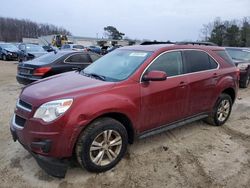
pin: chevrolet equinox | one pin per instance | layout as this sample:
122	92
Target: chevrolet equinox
130	93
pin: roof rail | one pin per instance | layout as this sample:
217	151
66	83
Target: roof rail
155	42
197	43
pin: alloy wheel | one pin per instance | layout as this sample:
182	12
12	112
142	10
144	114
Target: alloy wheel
106	147
223	110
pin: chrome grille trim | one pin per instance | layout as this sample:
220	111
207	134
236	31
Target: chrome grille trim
22	107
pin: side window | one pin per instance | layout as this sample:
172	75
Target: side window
94	57
170	62
224	55
213	63
73	58
196	61
84	58
78	58
66	46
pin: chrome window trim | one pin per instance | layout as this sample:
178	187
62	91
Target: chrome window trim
22	107
180	50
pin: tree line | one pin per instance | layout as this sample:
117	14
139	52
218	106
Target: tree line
228	33
13	30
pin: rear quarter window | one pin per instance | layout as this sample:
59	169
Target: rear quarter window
196	61
224	55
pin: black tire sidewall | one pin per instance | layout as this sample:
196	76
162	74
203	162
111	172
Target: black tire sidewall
4	57
87	139
221	98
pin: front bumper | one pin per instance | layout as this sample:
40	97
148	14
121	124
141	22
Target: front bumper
12	57
52	166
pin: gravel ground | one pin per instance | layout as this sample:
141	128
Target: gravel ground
195	155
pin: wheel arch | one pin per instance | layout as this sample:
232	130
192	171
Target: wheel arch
231	92
125	121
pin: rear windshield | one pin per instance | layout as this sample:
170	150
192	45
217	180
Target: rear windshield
224	55
49	58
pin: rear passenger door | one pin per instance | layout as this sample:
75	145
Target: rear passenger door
202	71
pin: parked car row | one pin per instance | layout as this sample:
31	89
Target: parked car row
27	51
24	52
130	93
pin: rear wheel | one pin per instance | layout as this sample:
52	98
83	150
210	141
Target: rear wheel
102	145
221	111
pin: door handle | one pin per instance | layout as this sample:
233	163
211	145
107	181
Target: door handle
183	84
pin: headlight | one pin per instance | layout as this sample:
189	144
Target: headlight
242	66
52	110
9	53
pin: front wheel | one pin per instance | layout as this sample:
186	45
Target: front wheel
101	145
4	57
221	110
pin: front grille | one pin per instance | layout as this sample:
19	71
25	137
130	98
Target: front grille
24	105
19	121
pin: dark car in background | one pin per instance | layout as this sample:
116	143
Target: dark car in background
95	49
241	58
53	63
30	51
72	47
9	51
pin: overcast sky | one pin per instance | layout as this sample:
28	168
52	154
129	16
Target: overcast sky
173	20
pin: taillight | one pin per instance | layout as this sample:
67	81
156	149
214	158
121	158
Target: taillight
41	71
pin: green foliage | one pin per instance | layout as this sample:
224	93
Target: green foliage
228	33
113	33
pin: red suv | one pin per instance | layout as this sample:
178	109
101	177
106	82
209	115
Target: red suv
132	92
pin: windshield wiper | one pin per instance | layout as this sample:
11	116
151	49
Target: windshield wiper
94	75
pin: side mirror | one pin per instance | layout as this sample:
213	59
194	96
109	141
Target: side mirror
155	76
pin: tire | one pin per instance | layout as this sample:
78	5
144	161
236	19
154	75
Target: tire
93	138
4	57
221	110
245	83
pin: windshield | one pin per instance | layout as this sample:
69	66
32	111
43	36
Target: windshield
34	48
117	65
239	54
9	46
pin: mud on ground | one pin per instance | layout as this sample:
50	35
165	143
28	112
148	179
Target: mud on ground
195	155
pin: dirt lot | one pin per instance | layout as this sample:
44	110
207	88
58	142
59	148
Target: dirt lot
195	155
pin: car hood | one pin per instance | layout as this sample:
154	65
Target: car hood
66	85
240	61
11	50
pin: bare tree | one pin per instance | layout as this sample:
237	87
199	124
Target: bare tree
13	30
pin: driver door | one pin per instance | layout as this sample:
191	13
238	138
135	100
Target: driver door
163	102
